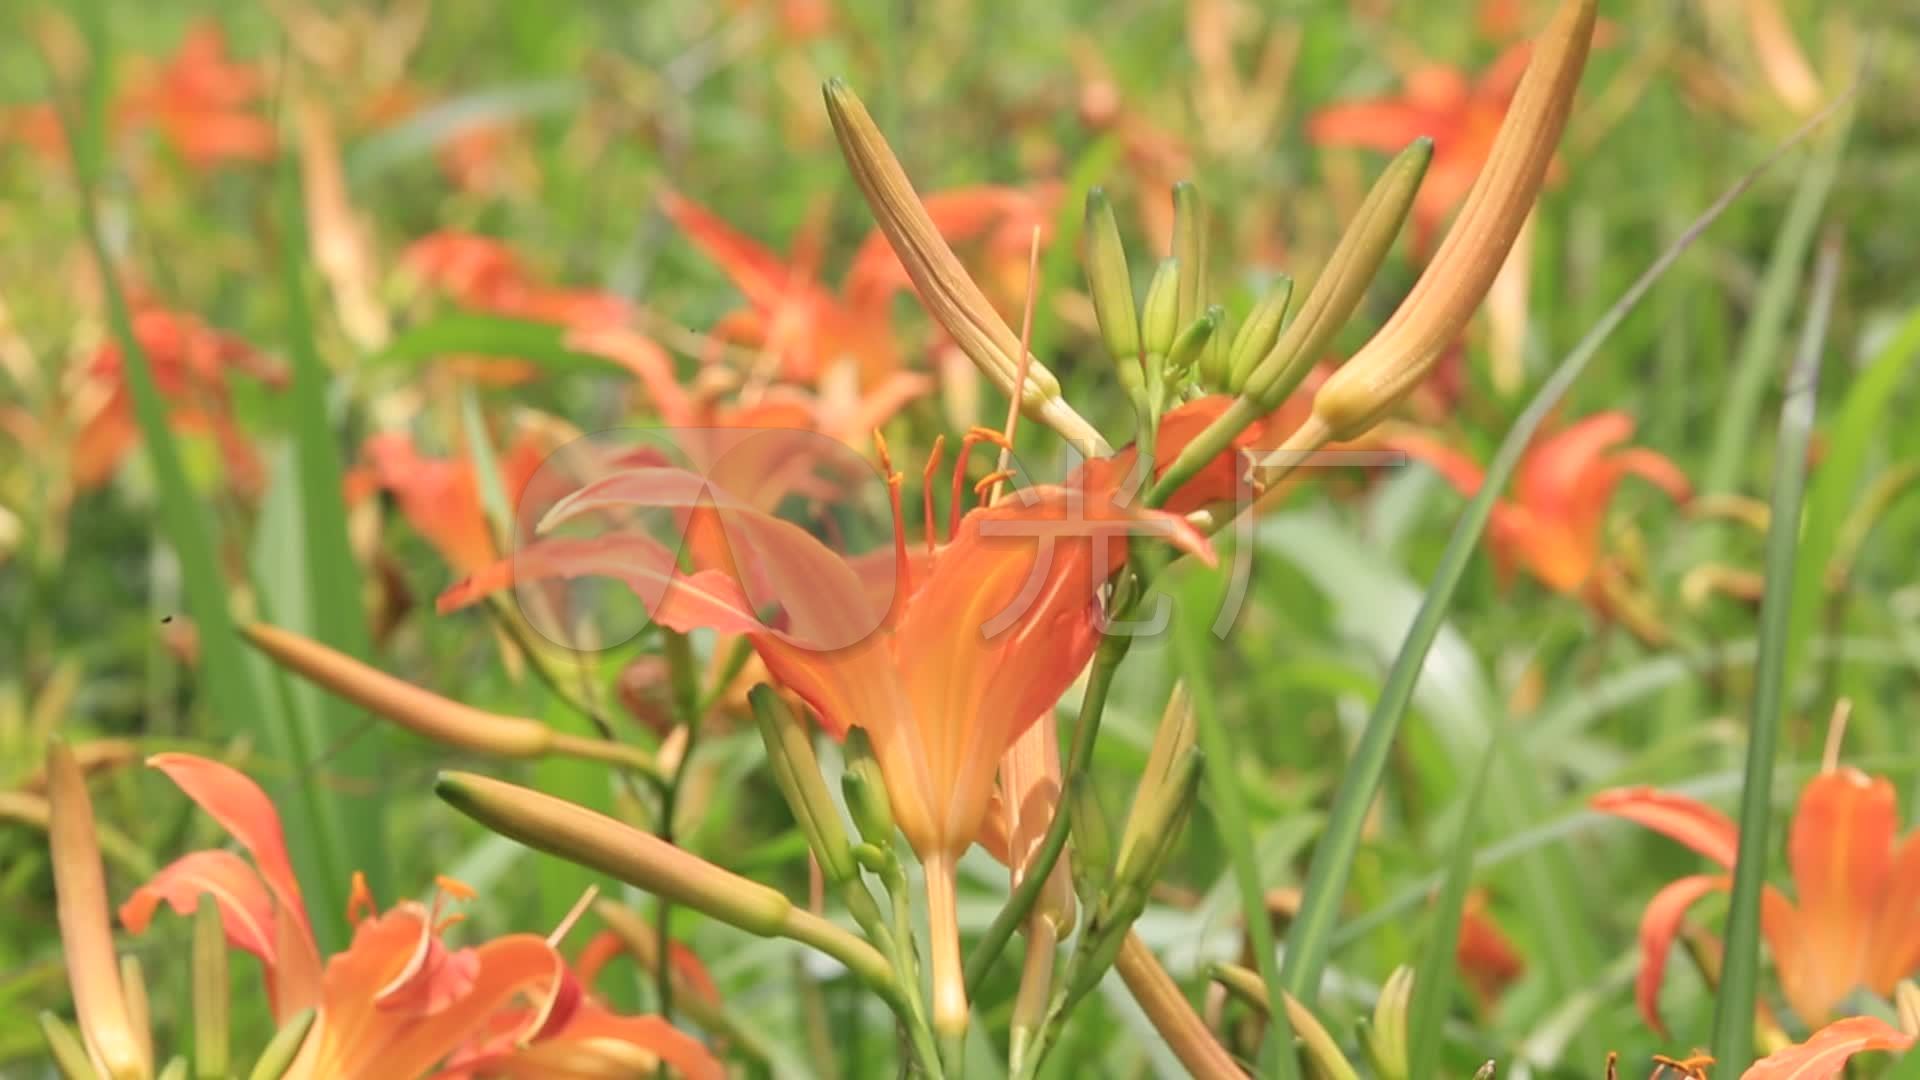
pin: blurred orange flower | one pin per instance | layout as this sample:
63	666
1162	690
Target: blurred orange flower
190	362
484	274
807	330
399	1000
1460	114
440	497
1856	887
1553	524
1485	955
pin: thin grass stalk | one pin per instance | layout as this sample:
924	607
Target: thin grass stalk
1236	827
1310	940
1433	987
334	598
1740	978
1753	367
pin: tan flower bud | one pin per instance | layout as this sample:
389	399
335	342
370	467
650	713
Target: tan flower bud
1437	309
951	296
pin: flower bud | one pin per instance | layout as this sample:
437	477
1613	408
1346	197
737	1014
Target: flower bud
1319	1051
1159	316
1434	313
1192	342
100	998
64	1047
1111	284
278	1057
1258	334
1385	1040
1344	280
1190	251
1091	855
1154	826
1171	741
211	992
594	840
426	713
797	772
866	792
1906	998
952	297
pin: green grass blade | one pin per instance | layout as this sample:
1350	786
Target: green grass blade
232	696
1740	979
334	612
1192	648
1311	939
501	336
1754	366
1850	437
1433	981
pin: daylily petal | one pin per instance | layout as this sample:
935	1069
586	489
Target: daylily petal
1386	126
246	910
598	1043
1839	848
238	804
1658	927
1550	475
760	275
1826	1052
1688	821
1894	952
1454	467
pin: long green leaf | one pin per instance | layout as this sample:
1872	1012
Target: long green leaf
232	696
334	611
473	334
1312	936
1433	985
1740	978
1850	437
1753	368
1222	778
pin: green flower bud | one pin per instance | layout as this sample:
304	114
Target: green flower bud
211	989
1192	342
65	1048
1385	1040
1258	334
797	772
1091	854
278	1056
1111	284
1190	250
866	793
1342	284
1159	316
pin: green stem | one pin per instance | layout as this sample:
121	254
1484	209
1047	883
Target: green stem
1236	832
1740	979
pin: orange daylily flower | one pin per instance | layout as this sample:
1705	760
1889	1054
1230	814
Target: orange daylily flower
1486	956
484	274
1825	1054
399	1002
1552	526
440	497
808	330
1460	115
190	362
198	101
944	665
1856	887
202	102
